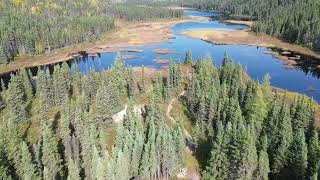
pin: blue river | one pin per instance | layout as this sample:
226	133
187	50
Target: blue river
255	59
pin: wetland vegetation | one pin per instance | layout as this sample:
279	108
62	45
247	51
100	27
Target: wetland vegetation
138	99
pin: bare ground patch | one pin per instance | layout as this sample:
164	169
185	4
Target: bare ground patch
164	51
247	23
161	61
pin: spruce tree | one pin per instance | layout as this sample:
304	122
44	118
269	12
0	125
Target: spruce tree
73	170
121	166
179	142
243	155
130	84
16	100
172	75
142	81
279	146
178	75
298	155
188	58
257	111
61	83
76	80
101	169
3	86
49	88
85	86
28	168
5	171
314	156
107	104
148	162
263	168
225	59
301	114
250	153
266	88
169	158
50	156
218	166
41	81
27	84
65	122
117	75
136	153
109	164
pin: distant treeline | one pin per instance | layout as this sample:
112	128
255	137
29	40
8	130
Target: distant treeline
154	2
138	13
294	21
35	28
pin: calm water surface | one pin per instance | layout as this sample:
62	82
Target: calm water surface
255	59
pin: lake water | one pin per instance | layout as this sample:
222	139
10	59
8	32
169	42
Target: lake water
254	59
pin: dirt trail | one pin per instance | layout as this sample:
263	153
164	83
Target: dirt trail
190	143
184	172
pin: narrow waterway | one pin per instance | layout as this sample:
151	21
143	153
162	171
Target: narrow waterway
255	59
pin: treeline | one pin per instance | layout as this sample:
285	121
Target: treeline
157	3
64	127
246	130
29	28
139	13
294	24
287	19
257	8
35	28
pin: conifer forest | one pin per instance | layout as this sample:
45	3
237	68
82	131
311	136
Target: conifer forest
192	118
294	21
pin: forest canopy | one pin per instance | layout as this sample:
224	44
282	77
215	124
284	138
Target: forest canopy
34	28
63	125
291	20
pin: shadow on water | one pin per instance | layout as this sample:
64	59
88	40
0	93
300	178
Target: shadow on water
307	64
298	78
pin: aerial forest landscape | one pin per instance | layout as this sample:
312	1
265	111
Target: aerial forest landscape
159	89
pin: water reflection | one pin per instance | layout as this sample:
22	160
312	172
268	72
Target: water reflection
302	78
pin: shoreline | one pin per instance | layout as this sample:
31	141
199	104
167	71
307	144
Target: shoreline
246	37
125	38
236	22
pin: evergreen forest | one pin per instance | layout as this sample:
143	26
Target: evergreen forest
294	21
61	124
168	120
37	27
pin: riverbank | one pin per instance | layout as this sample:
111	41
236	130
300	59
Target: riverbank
247	23
246	37
124	38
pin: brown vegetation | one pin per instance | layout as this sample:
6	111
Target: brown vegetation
126	36
164	51
161	61
247	23
245	37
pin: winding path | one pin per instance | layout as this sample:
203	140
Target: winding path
118	117
184	173
190	143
